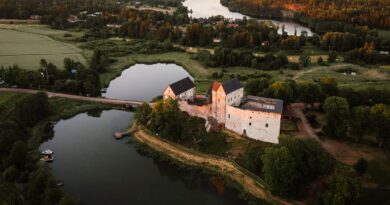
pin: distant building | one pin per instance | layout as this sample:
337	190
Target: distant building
217	40
254	117
113	25
73	19
181	90
232	25
35	17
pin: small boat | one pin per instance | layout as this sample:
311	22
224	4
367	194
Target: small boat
47	152
47	158
60	183
103	90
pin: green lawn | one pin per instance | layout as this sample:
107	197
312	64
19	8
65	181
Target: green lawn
25	46
5	96
364	77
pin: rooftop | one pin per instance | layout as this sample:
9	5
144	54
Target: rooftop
182	85
262	104
231	85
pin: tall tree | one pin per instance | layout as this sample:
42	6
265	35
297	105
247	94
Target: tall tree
342	191
337	115
166	119
380	122
99	61
142	114
309	92
279	168
358	123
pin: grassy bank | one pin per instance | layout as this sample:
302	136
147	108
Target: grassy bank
249	182
166	159
61	108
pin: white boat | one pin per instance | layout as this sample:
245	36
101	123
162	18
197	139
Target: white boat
103	90
47	152
47	158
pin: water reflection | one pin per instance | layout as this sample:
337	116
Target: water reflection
99	170
144	82
208	8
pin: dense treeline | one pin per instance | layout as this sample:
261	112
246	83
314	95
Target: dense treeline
36	185
23	9
373	13
354	113
172	3
226	57
74	78
359	121
294	163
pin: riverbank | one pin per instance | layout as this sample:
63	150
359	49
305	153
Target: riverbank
61	109
249	182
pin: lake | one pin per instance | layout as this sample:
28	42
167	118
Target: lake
99	170
208	8
144	82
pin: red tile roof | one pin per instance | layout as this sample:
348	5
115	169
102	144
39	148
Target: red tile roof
216	85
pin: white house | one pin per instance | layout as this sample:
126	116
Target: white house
181	90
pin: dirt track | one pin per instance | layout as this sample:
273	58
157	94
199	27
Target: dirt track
342	151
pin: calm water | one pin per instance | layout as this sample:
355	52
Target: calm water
144	82
207	8
99	170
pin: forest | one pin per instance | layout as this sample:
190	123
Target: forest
373	13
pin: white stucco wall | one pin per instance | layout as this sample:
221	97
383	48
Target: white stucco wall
264	126
187	95
168	93
234	98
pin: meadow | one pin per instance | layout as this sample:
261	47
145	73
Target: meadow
26	46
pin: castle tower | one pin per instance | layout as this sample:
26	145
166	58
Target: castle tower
218	102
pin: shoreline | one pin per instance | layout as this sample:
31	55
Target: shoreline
246	180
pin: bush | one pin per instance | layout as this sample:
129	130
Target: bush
67	35
361	166
142	114
279	169
342	191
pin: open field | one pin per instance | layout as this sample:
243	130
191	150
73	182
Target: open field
25	46
384	33
364	76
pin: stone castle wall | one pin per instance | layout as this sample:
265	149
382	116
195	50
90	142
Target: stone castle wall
195	110
262	126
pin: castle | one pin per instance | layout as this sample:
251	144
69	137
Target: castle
254	117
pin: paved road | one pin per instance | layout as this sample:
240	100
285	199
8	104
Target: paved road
77	97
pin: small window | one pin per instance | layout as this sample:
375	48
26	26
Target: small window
266	125
228	115
250	124
250	117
